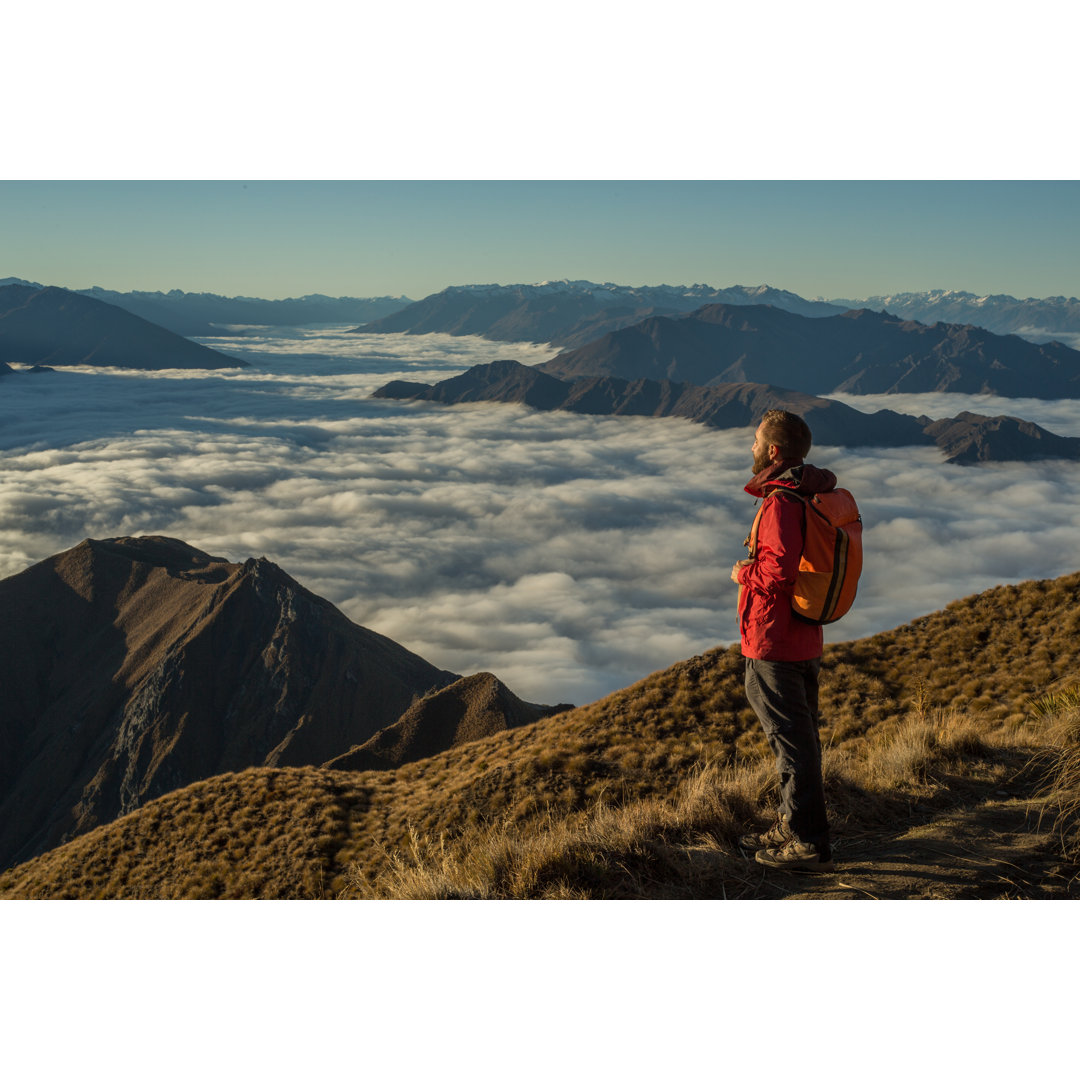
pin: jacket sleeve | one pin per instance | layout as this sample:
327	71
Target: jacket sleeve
779	549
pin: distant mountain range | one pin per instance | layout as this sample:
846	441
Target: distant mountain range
57	328
571	313
208	315
568	313
966	439
138	665
1034	319
860	352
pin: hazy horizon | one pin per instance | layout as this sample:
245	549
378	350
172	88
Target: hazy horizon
277	239
718	285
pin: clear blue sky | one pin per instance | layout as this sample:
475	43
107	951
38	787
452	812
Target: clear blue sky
367	238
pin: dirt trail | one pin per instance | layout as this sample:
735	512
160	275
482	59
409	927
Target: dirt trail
993	850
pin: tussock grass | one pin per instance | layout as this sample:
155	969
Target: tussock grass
687	845
648	848
641	794
909	754
987	654
1059	764
1056	702
263	833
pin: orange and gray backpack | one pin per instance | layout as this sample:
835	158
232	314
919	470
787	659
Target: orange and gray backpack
832	554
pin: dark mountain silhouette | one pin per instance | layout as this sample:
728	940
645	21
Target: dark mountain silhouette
469	709
17	294
966	439
969	438
728	406
60	328
130	667
568	313
862	352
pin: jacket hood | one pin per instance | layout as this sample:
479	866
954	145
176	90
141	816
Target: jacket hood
791	476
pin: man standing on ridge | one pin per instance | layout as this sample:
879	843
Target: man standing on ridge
783	652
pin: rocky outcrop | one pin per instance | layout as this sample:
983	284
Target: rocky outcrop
469	709
134	666
969	438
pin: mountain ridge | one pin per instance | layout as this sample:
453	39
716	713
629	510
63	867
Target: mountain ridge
965	439
209	314
1034	318
295	832
468	709
858	351
567	313
57	328
141	664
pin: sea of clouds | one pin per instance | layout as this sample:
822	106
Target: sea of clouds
570	555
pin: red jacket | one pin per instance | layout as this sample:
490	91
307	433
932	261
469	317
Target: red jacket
767	626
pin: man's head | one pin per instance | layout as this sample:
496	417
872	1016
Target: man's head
781	436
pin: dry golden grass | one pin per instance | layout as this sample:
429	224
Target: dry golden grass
640	794
1058	764
988	654
265	833
686	846
657	848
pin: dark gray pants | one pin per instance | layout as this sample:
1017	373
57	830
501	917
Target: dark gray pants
784	694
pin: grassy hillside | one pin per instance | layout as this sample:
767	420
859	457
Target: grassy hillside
930	730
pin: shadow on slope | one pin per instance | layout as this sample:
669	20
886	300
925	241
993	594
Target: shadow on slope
139	665
962	822
942	808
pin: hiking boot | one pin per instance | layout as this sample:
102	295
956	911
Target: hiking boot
776	837
795	855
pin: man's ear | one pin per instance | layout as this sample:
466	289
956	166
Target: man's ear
774	452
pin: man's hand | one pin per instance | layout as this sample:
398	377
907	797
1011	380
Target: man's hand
737	567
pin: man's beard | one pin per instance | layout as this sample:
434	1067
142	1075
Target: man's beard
761	462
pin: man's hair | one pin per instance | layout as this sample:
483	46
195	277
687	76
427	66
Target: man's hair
788	432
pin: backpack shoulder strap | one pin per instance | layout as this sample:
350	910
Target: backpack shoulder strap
751	541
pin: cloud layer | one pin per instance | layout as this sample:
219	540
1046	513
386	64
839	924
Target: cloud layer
571	555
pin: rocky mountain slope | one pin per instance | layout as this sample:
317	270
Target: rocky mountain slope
56	328
861	352
138	665
469	709
569	313
965	439
961	674
969	438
